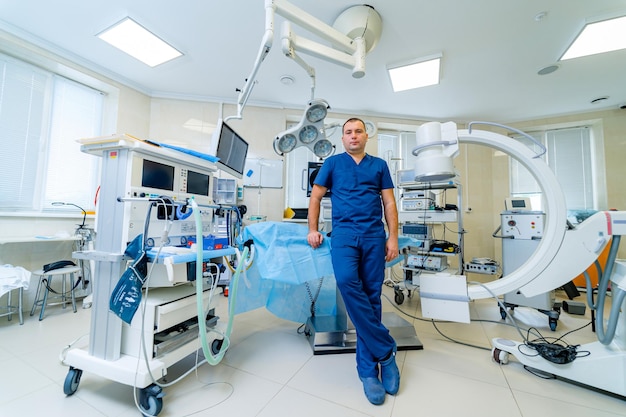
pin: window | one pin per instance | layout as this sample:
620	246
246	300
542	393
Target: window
573	156
41	116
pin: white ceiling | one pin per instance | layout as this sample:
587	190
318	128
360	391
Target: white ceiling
492	50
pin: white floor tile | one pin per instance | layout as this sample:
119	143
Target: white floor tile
270	370
290	402
429	392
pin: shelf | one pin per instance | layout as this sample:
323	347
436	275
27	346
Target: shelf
169	258
34	239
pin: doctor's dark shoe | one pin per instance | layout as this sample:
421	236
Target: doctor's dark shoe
390	374
374	390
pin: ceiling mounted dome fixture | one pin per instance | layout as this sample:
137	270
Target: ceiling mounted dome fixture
361	21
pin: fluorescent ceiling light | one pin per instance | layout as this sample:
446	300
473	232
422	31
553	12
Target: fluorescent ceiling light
132	38
416	74
595	38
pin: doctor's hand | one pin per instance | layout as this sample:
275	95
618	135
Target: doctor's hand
391	250
315	239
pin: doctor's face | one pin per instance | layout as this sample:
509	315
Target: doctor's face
354	137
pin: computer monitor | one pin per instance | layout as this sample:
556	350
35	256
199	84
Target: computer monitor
313	169
230	148
517	204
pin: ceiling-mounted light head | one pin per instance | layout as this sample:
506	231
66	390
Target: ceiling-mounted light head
317	112
437	145
285	144
309	132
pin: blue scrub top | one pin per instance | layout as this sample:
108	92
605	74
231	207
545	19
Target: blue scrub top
356	193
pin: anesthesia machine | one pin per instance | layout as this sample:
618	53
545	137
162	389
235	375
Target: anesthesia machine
158	261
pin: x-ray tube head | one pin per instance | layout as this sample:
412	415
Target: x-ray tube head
437	145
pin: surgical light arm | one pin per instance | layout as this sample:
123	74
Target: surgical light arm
350	51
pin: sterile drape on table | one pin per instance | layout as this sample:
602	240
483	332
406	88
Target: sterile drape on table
288	277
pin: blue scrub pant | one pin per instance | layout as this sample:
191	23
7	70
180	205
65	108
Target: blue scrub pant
359	267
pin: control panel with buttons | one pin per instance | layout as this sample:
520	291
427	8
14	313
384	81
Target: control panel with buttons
522	225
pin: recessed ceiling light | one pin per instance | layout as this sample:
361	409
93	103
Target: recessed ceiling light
138	42
415	74
548	70
595	38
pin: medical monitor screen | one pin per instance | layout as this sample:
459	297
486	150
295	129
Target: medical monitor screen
231	150
157	175
313	169
197	183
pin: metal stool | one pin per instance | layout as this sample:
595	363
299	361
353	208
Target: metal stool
45	281
10	308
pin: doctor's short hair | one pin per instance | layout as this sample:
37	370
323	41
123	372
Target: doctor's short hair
352	119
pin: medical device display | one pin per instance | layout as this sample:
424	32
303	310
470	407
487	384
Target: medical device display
152	176
521	232
313	169
160	197
230	148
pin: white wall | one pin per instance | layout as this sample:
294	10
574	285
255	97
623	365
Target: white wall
190	123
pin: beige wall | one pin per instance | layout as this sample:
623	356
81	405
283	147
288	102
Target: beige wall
484	174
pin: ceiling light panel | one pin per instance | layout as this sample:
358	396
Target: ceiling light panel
595	38
416	74
138	42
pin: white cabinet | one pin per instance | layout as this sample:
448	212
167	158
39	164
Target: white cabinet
224	190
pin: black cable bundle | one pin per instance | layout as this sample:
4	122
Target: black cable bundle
554	351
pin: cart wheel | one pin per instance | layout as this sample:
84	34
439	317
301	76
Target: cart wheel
552	323
72	380
499	356
399	298
151	400
216	346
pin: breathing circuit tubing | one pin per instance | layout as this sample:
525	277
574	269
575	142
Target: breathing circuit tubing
208	354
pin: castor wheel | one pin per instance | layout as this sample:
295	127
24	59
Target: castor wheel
72	380
499	356
399	297
151	400
552	322
216	346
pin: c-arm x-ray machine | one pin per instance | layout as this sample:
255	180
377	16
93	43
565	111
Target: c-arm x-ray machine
564	252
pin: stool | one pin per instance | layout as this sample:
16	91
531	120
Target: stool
45	284
13	278
11	309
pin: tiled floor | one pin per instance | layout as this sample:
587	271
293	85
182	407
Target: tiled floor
270	371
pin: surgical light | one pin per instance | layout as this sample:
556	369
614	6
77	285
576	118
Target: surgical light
310	132
437	145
